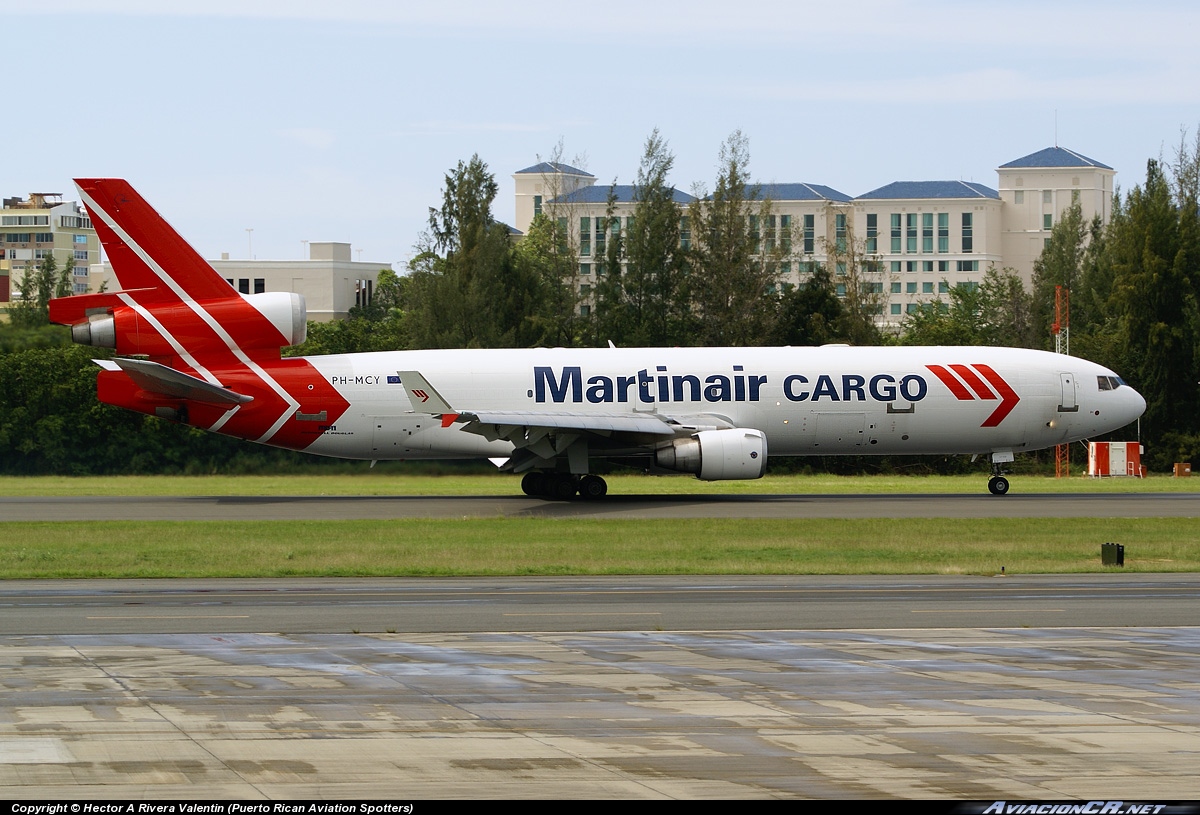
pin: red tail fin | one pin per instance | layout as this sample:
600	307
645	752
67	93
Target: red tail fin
145	252
172	306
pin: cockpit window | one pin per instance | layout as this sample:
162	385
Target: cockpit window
1109	383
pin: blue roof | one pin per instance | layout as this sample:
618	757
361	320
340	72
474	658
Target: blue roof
799	192
624	192
547	167
930	189
1054	157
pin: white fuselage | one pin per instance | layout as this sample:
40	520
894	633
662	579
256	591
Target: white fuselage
832	400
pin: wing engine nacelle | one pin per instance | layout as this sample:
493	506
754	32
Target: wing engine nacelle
717	455
129	331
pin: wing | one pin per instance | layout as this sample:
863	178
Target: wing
539	438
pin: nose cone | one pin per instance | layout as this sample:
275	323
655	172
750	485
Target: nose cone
1132	403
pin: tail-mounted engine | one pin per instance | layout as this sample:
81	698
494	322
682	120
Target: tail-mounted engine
136	326
717	455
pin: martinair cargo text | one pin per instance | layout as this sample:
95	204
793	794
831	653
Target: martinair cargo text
193	350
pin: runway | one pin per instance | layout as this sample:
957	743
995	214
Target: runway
1013	505
621	603
1010	687
602	688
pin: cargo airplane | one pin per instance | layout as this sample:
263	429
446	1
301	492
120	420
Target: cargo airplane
191	349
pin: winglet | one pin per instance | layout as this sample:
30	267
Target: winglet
425	398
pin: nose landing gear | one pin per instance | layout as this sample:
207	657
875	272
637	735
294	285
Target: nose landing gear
998	484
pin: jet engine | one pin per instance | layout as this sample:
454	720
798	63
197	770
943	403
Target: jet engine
717	455
135	331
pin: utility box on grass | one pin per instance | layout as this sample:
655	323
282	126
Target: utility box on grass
1115	458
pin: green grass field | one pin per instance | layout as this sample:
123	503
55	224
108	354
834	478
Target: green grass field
389	482
534	546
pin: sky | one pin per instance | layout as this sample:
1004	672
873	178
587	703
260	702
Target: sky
307	120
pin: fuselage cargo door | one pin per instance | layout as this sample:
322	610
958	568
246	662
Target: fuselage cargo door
1068	403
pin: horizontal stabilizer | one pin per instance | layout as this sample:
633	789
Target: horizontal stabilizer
159	379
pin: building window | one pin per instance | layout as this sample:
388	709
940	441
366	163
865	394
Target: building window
755	235
896	287
585	290
896	233
943	287
943	265
601	233
910	287
260	285
1074	196
839	231
585	310
785	234
910	233
968	232
585	269
42	254
968	265
537	205
910	265
841	289
79	238
911	308
895	267
895	308
927	266
1019	197
81	254
927	288
943	232
585	236
1047	222
841	269
685	234
244	285
599	269
1047	196
872	232
927	232
810	230
43	237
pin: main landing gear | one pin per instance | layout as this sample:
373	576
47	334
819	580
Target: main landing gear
563	486
998	485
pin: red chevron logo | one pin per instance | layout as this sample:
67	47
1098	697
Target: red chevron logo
965	382
420	394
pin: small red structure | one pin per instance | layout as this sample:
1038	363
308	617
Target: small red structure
1115	458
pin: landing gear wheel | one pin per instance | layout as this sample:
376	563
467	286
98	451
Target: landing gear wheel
592	487
534	484
998	485
562	487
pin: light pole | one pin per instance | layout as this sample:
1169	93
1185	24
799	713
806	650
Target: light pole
250	241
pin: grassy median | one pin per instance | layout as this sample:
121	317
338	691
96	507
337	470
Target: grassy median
524	546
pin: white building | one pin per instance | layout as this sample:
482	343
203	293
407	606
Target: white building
44	225
330	281
928	235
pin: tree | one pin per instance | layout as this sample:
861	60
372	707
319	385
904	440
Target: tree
1154	247
37	287
461	292
653	303
860	280
1060	264
996	313
808	314
734	265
